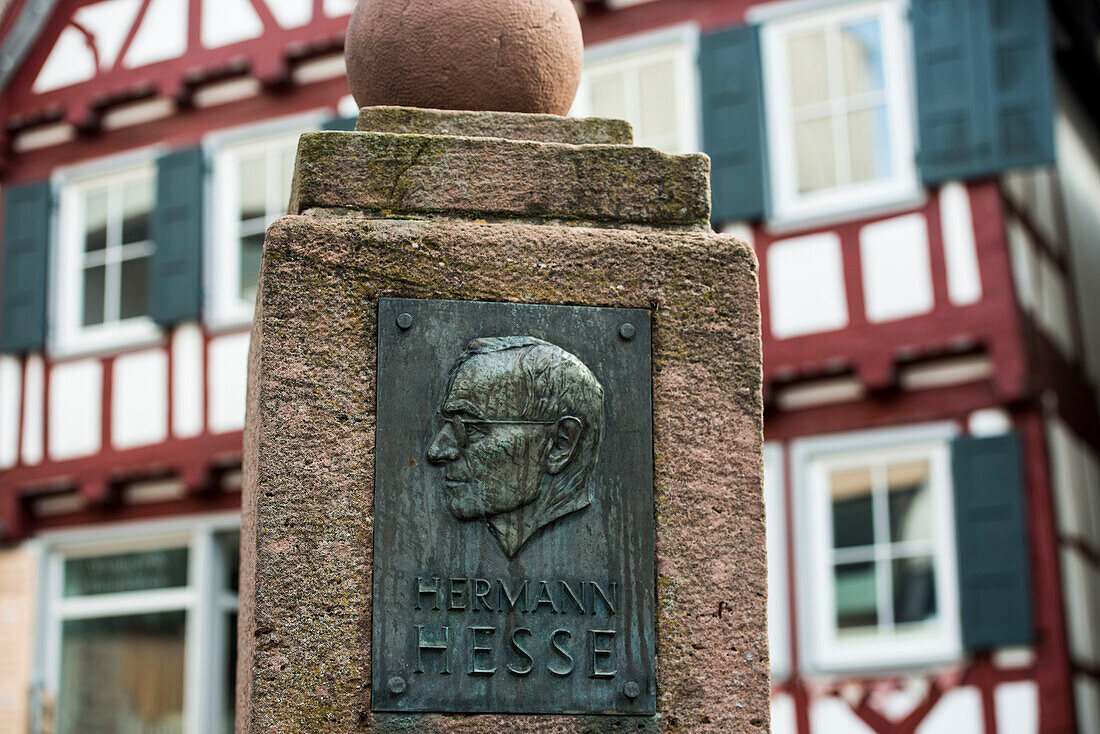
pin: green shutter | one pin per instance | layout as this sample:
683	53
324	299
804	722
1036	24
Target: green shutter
990	520
26	247
733	122
985	90
340	123
175	272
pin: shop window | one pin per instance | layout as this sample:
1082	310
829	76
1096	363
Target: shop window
104	247
880	556
142	635
838	106
650	81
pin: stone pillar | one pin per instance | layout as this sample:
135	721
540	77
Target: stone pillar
501	208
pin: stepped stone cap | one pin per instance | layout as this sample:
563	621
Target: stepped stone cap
491	177
511	125
498	55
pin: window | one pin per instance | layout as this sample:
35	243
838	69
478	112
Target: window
104	250
650	81
251	190
838	108
142	635
880	558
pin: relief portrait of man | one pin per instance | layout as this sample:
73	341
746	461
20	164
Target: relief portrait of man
521	425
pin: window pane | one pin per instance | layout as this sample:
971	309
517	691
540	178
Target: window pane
809	69
861	56
93	295
133	288
657	96
855	595
230	545
122	674
253	187
910	501
137	202
853	513
914	590
608	96
869	144
228	712
252	247
95	220
813	144
159	569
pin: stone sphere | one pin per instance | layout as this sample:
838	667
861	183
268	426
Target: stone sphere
494	55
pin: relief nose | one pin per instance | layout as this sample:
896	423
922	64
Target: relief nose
443	447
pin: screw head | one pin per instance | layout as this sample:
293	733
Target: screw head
627	331
631	689
396	685
405	320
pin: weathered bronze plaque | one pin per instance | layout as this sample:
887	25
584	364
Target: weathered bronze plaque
513	526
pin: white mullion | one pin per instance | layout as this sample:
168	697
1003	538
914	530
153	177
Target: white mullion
200	625
855	554
883	581
135	250
123	604
836	99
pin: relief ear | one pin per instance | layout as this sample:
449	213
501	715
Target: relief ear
563	444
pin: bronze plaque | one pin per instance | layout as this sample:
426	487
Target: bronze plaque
513	509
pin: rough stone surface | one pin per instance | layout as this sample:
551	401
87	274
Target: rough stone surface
309	453
503	55
489	177
510	125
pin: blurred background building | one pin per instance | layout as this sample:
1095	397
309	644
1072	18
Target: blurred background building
921	181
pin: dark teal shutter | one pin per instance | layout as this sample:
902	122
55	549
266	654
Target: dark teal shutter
26	246
985	89
175	272
990	520
340	123
733	122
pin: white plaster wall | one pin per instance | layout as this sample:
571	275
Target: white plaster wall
1079	582
897	274
1078	148
964	280
833	716
783	719
1017	707
778	625
1068	475
76	408
228	382
34	405
187	381
11	392
1086	693
958	711
139	399
806	285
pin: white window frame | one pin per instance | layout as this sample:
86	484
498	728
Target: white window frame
225	309
679	42
902	189
812	460
69	337
203	601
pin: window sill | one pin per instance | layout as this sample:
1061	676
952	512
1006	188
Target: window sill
802	217
887	657
231	318
107	339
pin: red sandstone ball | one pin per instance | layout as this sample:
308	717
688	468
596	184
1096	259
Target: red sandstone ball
498	55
